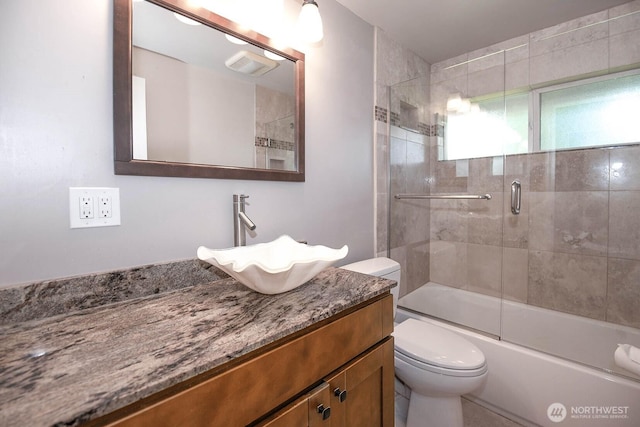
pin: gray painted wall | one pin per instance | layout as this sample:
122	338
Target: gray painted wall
56	132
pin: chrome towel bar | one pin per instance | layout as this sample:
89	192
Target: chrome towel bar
445	196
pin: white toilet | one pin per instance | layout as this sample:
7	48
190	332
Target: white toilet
436	364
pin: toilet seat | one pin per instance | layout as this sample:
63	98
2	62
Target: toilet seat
439	370
438	350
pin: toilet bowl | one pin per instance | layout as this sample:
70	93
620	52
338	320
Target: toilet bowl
437	365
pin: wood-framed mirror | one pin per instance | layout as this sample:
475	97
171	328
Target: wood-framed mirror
189	102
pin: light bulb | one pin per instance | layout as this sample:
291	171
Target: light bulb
272	55
310	22
185	20
235	40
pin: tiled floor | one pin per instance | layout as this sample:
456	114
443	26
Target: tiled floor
402	403
475	415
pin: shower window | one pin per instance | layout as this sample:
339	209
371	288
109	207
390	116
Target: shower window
593	113
588	113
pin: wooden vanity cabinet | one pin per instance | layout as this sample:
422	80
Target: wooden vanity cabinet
311	410
359	394
352	351
362	392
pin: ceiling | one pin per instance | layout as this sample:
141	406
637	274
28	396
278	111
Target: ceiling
440	29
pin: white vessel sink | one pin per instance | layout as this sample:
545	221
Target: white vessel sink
274	267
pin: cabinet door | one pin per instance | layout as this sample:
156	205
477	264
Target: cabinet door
320	407
312	410
362	392
295	415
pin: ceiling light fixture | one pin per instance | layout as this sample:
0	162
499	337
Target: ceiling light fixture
185	20
235	40
272	55
310	22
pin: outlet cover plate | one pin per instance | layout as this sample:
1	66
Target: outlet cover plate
94	207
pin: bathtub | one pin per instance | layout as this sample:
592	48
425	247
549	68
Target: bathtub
530	386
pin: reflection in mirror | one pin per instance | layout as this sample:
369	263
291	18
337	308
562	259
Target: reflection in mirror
204	102
205	99
497	124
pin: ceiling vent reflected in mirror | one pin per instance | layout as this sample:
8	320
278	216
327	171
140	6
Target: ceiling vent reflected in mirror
250	63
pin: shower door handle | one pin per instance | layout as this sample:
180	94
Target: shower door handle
516	197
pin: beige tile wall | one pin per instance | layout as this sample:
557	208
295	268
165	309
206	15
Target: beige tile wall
409	231
575	247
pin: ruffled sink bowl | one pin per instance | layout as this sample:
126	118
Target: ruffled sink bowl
274	267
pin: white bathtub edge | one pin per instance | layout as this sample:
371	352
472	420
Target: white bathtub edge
522	383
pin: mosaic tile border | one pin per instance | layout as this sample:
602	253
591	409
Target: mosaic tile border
380	114
383	115
274	143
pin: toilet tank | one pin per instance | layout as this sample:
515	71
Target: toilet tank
380	267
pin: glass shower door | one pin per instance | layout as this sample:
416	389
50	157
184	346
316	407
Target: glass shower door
460	195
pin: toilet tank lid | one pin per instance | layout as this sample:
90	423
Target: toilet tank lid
380	266
436	346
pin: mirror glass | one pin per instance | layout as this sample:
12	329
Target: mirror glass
205	98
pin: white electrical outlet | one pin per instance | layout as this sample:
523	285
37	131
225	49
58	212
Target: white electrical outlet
86	206
105	206
94	207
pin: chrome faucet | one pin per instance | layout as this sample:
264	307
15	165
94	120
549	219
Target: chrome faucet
240	221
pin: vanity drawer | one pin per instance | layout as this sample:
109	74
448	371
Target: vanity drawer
249	390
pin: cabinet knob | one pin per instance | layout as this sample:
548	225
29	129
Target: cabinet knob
340	394
325	412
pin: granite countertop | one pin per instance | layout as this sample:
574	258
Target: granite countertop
70	368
